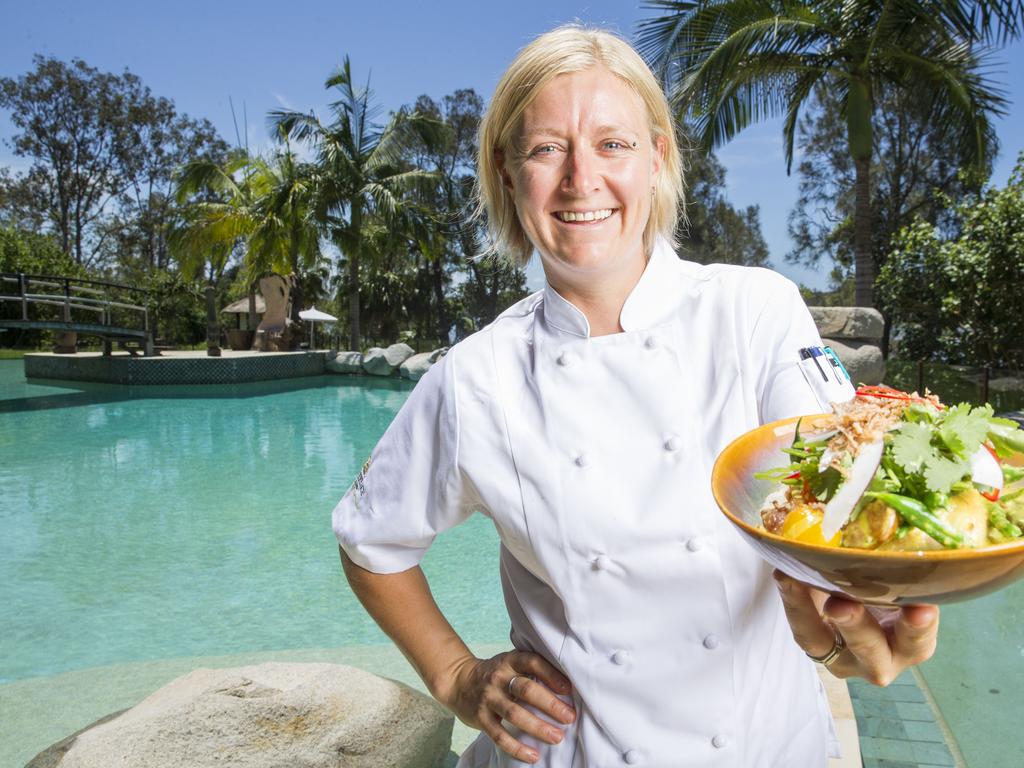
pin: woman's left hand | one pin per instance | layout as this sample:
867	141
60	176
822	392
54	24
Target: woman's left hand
880	643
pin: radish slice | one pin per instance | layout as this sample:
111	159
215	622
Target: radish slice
985	469
838	510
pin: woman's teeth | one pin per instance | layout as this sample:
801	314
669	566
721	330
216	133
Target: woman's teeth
604	213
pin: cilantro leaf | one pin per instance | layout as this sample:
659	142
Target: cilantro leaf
940	473
911	446
963	429
824	484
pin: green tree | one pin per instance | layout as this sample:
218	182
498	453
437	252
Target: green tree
956	299
714	231
359	170
914	162
103	149
729	63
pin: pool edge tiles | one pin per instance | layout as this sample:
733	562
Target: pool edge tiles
40	711
171	368
901	727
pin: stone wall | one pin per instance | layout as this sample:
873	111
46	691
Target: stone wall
855	333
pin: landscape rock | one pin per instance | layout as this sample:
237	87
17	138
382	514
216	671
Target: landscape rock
437	354
861	323
862	359
345	362
275	714
415	366
383	362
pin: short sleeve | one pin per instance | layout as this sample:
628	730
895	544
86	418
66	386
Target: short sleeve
783	327
410	489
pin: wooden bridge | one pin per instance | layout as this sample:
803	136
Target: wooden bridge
81	295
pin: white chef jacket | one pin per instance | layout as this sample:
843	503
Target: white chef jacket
593	456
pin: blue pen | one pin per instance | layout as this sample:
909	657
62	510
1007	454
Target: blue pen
836	362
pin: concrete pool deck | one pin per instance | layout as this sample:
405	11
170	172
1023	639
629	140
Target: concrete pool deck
40	711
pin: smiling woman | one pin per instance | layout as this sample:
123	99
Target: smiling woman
584	422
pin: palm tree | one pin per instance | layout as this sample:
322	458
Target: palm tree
729	63
216	218
261	207
359	169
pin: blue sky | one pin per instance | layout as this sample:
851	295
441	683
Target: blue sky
265	55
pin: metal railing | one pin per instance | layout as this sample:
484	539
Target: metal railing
69	297
1002	387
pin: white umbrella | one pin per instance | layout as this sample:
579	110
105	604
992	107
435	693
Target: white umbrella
313	314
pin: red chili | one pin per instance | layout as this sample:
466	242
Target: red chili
888	393
992	495
992	450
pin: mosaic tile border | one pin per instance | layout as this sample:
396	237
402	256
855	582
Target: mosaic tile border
900	726
159	371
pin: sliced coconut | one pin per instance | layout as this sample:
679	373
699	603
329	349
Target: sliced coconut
985	470
838	509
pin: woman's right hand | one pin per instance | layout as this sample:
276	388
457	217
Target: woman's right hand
478	693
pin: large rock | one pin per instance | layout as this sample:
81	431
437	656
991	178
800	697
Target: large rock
437	354
415	366
861	323
862	359
383	362
346	362
271	715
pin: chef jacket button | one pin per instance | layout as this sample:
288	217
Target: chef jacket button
565	359
632	757
694	544
582	460
719	740
600	563
673	443
711	642
650	342
620	657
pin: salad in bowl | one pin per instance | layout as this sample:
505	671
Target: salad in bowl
895	471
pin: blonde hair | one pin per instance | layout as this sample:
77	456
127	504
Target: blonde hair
569	48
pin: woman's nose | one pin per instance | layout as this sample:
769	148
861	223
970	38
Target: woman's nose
580	173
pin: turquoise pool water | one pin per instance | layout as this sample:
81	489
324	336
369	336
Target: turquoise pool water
150	524
157	523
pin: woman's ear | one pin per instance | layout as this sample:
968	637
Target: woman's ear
659	148
506	177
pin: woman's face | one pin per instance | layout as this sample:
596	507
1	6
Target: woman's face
582	172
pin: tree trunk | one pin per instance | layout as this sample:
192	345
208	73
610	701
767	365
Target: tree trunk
253	322
212	326
437	275
354	334
863	259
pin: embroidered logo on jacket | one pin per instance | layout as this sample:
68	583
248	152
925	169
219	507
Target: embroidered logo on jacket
358	484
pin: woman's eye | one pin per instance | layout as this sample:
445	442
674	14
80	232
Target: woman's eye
614	144
546	149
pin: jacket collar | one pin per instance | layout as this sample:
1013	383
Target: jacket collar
651	299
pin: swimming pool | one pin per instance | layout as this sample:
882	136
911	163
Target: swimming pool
156	524
196	521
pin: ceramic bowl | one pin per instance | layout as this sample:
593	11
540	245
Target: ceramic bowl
875	578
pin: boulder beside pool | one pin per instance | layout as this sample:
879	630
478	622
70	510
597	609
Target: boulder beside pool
313	715
415	366
383	362
345	362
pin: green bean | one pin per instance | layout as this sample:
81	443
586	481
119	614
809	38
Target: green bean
918	515
997	519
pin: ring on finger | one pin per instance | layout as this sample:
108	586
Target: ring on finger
838	646
512	682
